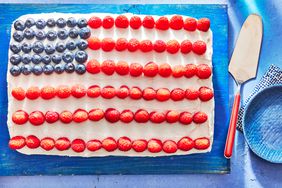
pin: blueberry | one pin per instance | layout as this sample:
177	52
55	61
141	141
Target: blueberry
48	69
29	22
40	24
38	47
26	47
19	25
84	33
61	22
37	69
18	36
46	59
36	59
82	44
26	69
59	68
73	33
81	56
15	48
15	70
40	35
68	57
56	58
71	45
80	69
62	34
81	22
49	49
15	59
29	34
26	58
60	47
69	67
51	22
51	35
71	22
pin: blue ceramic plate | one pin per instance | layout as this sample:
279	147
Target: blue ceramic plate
262	124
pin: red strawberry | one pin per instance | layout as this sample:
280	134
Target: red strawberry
200	117
48	92
109	144
185	144
146	46
66	116
165	70
199	47
190	24
135	22
17	142
124	144
135	93
94	22
150	69
121	44
191	70
135	69
94	43
126	116
78	91
202	143
172	116
149	93
141	116
93	66
47	143
139	145
18	93
178	71
93	145
36	118
148	22
20	117
169	146
80	116
121	21
205	93
203	71
62	144
203	24
78	145
186	118
108	67
186	46
192	94
122	68
63	91
33	93
108	92
51	116
157	117
159	46
96	114
133	45
177	94
112	115
122	92
176	22
163	94
108	22
162	23
172	46
108	44
154	146
93	91
32	142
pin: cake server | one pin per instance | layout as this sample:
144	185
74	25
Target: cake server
243	67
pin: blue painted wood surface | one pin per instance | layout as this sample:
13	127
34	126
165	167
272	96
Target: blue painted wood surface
14	163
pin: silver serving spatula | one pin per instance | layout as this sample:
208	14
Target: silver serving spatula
243	66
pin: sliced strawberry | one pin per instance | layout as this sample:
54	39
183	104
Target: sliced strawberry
80	116
133	45
202	143
62	144
203	71
32	142
165	70
93	145
96	114
141	116
122	68
78	145
78	91
108	44
122	92
66	116
135	22
135	93
18	93
192	94
126	116
162	23
190	24
172	116
121	44
186	118
154	146
191	70
200	117
177	94
151	69
139	145
124	144
94	43
146	46
135	69
33	93
51	116
63	91
178	71
199	47
108	67
17	142
108	22
48	92
108	92
20	117
93	66
163	94
94	22
148	22
205	93
159	46
112	115
172	46
121	21
149	94
93	91
109	144
36	118
47	143
203	24
157	117
176	22
185	144
169	146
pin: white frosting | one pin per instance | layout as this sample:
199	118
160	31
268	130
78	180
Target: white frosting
102	129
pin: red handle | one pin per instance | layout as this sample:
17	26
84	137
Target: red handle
232	127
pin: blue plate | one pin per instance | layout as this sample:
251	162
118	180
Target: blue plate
262	124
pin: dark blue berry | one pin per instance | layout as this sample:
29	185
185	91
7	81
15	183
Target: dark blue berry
29	34
84	33
71	45
62	34
40	24
36	59
38	47
26	47
15	48
19	25
26	69
40	35
18	36
37	69
51	35
49	49
81	56
26	58
59	68
82	44
80	69
56	58
61	22
46	59
15	70
51	22
48	69
68	57
60	47
71	22
81	22
73	33
69	67
29	22
15	59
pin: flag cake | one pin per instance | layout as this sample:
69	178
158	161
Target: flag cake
110	84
